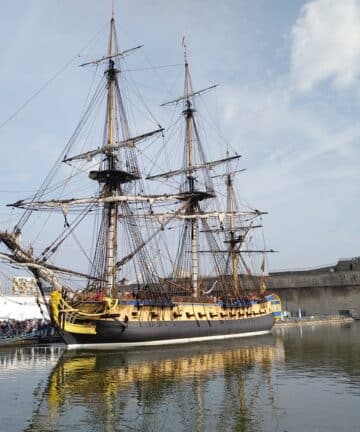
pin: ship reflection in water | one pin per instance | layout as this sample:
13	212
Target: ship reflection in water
302	379
207	387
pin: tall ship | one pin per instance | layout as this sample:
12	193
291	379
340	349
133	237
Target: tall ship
137	258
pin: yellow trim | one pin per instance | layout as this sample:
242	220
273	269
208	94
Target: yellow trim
79	328
59	305
276	307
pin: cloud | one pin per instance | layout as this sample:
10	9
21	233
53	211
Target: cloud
326	44
281	139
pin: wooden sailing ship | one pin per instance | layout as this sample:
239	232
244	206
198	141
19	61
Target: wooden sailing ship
184	303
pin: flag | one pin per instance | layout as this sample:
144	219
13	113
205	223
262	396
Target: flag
263	265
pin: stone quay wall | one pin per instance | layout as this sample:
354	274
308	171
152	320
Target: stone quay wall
320	291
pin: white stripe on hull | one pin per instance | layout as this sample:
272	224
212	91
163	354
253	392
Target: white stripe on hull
125	345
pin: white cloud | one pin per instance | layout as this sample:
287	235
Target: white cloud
326	44
286	142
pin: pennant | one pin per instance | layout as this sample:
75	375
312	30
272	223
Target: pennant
263	265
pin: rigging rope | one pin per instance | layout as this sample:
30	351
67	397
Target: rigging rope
52	78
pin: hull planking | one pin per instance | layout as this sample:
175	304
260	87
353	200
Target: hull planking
124	325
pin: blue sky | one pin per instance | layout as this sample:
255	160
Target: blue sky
289	100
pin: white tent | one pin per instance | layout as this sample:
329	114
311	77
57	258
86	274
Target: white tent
21	308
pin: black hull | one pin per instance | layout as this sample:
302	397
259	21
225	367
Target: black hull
112	334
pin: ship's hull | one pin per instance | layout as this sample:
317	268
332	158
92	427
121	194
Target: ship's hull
109	323
112	334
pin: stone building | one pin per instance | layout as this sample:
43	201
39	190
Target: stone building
24	285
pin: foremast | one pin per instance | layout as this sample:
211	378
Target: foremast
111	176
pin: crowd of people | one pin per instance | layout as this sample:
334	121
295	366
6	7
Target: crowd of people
29	327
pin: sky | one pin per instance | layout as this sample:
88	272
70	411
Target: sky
288	74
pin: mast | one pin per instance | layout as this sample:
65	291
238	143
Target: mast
111	209
232	241
188	113
195	161
115	171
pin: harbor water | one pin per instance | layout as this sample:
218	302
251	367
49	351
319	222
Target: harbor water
296	379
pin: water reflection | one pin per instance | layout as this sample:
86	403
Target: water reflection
297	380
223	386
27	357
327	350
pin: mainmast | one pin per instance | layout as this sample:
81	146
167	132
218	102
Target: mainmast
189	113
111	209
192	189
